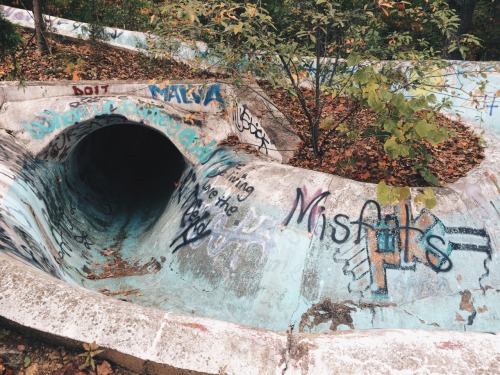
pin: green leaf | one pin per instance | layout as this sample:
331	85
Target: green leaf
384	193
401	193
26	361
427	175
373	101
432	98
423	128
417	104
390	125
426	198
388	195
390	147
353	59
361	76
437	136
395	149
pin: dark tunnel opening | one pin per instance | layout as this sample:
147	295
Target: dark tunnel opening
131	166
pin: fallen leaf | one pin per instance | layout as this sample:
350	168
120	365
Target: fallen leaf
68	369
104	369
365	175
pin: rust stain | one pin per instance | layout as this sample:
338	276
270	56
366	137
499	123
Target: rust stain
119	267
459	318
327	311
450	345
196	326
466	303
125	293
482	309
48	242
299	353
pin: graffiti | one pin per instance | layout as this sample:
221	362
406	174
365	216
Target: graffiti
18	14
26	248
492	105
310	68
252	230
393	241
244	122
60	23
238	179
244	190
223	203
195	217
105	113
115	34
312	206
61	146
195	197
46	237
89	90
189	94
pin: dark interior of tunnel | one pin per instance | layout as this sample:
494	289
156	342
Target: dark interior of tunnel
129	164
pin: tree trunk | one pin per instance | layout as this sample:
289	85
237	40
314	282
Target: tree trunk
41	42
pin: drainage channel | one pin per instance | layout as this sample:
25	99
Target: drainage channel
81	216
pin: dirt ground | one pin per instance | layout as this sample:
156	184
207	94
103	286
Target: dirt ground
23	354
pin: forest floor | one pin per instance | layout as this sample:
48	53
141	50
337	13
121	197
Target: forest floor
353	153
24	354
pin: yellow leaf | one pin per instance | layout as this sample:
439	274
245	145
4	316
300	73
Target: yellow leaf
252	11
151	20
152	82
163	84
191	18
76	77
426	198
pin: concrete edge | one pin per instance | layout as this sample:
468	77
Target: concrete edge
137	337
150	341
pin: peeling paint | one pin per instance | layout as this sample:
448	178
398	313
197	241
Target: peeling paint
327	311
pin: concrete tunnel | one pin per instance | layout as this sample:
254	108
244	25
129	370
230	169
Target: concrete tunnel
129	196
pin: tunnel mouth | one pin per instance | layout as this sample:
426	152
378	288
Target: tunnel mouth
129	165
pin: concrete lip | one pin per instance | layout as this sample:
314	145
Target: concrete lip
250	266
157	342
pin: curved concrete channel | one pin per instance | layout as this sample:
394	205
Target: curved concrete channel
123	222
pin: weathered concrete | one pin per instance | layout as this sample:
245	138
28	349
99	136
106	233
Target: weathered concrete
466	100
308	249
157	342
188	227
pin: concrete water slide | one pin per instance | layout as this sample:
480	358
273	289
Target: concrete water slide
123	222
